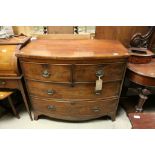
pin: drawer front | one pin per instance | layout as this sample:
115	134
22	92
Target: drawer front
8	83
74	110
47	72
79	91
108	72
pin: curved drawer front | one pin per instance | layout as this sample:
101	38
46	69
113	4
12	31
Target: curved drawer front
109	72
74	110
47	72
79	91
76	72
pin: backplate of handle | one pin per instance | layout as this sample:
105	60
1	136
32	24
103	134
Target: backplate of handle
46	74
51	107
100	73
2	82
95	109
50	92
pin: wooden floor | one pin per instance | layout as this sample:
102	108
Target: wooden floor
144	120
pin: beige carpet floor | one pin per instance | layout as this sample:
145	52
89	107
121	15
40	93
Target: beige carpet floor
10	122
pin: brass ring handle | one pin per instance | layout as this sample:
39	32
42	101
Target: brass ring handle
2	82
46	74
51	107
50	92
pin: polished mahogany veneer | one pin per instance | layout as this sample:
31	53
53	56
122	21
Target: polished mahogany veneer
74	49
61	77
143	74
8	60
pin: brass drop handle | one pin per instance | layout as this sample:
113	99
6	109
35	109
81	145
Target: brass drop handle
99	82
50	92
96	109
2	82
51	107
46	74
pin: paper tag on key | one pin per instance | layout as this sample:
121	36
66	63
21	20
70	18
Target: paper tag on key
98	84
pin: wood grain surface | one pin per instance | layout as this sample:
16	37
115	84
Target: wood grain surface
142	120
4	94
74	49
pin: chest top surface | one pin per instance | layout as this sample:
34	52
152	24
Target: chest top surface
73	49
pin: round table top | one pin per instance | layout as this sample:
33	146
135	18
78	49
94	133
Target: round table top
147	70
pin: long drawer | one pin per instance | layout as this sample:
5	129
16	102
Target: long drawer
75	72
74	110
66	91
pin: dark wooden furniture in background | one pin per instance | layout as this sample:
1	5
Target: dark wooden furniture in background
120	33
125	33
143	75
61	75
7	94
140	56
60	29
140	40
10	75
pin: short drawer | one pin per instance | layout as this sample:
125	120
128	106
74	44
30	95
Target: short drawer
8	83
47	72
74	110
66	91
108	72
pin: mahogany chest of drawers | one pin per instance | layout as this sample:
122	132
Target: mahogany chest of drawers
61	77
